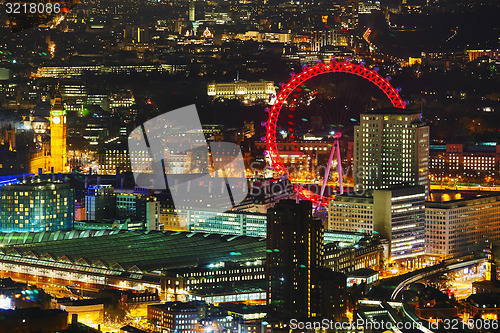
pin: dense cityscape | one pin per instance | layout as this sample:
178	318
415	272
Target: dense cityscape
249	166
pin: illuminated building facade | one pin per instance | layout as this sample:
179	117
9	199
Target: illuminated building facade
391	148
367	253
172	218
60	72
75	96
457	161
491	53
58	130
351	213
335	37
56	160
114	159
136	34
192	11
231	223
483	306
37	206
218	273
179	317
461	226
123	99
98	259
396	214
367	6
243	223
100	99
247	92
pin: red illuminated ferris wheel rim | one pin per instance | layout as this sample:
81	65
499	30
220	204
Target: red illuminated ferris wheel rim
299	79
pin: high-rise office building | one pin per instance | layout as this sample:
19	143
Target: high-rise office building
391	148
142	209
399	217
75	97
294	260
99	202
37	206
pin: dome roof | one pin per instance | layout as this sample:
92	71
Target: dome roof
42	109
40	120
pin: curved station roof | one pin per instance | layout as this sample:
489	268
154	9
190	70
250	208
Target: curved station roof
117	251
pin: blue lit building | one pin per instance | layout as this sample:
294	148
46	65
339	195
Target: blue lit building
37	206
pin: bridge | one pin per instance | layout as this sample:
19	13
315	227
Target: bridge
408	321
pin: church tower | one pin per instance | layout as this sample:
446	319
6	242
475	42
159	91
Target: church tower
58	152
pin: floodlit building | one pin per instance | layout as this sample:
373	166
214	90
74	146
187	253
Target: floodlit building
37	206
56	159
247	92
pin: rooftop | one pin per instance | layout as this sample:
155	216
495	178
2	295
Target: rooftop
455	199
36	185
128	251
489	300
391	110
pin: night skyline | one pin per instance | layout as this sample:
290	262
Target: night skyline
249	166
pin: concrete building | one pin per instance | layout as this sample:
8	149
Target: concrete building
391	148
460	224
396	214
464	163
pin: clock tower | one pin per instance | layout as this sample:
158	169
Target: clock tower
58	153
